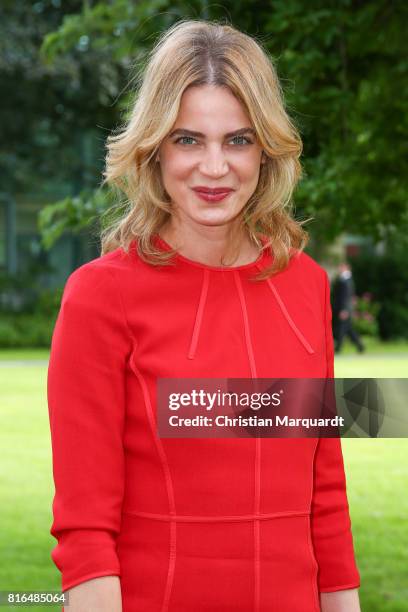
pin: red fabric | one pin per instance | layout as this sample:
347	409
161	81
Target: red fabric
249	524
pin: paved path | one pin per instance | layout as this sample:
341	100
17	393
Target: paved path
11	363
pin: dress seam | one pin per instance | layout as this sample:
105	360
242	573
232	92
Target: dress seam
350	585
122	307
316	567
169	487
325	328
257	526
221	518
199	315
247	335
257	465
289	319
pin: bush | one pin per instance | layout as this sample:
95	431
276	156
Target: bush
28	314
365	315
385	277
25	330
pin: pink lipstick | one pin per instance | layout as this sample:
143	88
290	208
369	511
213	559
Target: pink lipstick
212	195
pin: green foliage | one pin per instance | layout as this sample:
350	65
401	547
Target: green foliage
393	319
25	329
71	213
386	278
18	292
365	315
27	311
70	70
345	62
28	316
114	28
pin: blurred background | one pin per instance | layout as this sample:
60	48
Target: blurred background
67	69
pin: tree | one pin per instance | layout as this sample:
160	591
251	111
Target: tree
341	64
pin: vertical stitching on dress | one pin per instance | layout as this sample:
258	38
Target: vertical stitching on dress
315	569
288	317
311	548
257	525
246	324
199	315
327	329
169	487
257	467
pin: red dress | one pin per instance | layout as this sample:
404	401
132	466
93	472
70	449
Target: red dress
238	524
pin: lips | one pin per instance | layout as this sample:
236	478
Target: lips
212	195
214	191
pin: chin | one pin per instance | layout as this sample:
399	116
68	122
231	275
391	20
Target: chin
213	220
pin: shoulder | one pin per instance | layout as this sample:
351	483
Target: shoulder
97	285
92	307
303	264
306	281
107	264
105	270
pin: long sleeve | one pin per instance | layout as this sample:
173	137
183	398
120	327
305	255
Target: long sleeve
330	519
86	402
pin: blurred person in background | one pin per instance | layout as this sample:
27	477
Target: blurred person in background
343	293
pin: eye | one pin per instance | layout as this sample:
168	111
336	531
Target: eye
184	138
248	141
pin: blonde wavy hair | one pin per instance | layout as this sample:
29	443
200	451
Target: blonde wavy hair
194	53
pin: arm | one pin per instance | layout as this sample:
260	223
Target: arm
338	576
340	601
86	401
101	594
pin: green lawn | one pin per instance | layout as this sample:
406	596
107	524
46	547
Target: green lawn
377	474
381	360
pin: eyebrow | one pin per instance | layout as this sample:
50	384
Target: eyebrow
182	131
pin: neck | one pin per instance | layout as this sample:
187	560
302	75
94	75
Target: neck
208	244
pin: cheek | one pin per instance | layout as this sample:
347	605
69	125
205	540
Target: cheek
177	166
248	170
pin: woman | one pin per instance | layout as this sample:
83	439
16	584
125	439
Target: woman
204	277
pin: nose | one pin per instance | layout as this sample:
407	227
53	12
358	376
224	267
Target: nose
214	162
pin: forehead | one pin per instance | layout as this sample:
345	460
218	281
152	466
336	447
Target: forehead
211	109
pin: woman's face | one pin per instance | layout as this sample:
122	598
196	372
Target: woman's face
222	152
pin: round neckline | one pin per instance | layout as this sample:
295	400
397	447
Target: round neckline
199	264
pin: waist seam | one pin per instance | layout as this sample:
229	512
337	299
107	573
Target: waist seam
215	519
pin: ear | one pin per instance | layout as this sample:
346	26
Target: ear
263	157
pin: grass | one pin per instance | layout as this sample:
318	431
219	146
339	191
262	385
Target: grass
376	347
392	363
381	360
26	486
22	354
377	477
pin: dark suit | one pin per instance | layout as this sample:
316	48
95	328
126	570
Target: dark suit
343	292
